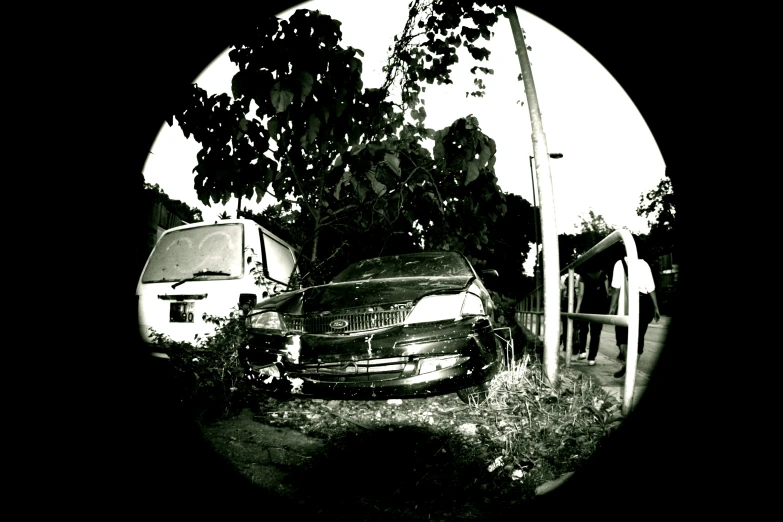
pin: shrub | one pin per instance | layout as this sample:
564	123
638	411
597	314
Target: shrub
209	374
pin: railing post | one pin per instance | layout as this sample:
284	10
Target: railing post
631	355
570	323
541	310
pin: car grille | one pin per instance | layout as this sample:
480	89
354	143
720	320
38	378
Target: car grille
357	322
367	369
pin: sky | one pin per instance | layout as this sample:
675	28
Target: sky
609	155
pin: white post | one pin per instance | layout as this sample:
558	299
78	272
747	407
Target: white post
570	325
549	247
631	355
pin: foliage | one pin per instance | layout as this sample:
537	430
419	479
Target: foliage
552	430
658	206
593	229
504	309
350	174
209	374
426	49
507	248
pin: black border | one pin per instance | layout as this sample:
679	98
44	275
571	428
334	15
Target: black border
149	54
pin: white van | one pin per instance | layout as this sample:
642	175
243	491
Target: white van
209	268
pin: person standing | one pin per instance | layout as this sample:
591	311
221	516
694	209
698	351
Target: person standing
593	299
648	303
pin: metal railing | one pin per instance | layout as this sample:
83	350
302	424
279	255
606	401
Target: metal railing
528	312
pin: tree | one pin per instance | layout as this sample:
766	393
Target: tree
658	206
342	161
593	229
508	246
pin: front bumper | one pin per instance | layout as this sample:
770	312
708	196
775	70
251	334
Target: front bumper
393	362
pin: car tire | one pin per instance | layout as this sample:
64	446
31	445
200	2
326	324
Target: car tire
478	393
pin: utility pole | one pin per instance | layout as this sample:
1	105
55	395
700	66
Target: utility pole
549	247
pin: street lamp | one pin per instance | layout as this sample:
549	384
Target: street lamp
536	214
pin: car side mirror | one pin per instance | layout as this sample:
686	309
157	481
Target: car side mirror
490	272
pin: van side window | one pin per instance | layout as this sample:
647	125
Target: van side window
279	261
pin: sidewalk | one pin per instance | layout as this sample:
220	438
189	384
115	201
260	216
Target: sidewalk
604	369
603	374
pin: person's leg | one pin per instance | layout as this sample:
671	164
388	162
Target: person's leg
595	340
621	333
621	336
563	331
579	345
646	315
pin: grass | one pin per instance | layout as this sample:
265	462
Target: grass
543	432
439	455
418	459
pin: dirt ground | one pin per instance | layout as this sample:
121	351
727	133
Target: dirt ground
413	459
430	458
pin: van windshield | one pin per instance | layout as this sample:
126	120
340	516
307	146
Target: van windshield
183	253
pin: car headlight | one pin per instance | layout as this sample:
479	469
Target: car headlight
265	321
443	307
270	370
433	364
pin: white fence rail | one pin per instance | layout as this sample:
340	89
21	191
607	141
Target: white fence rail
529	312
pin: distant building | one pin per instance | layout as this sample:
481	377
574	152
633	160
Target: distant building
157	213
160	220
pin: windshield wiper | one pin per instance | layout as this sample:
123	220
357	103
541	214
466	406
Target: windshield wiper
200	274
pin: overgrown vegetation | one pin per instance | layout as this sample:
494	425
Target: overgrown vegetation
525	434
209	376
355	171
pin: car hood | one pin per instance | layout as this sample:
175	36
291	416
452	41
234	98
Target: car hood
354	294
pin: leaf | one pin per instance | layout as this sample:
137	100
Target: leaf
378	187
491	162
473	171
484	155
393	162
313	126
307	84
281	98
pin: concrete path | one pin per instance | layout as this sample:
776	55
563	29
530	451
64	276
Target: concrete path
607	363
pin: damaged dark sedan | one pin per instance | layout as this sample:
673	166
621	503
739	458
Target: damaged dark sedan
400	326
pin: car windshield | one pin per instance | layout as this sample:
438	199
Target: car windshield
428	264
181	254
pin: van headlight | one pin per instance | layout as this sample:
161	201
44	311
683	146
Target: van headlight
444	307
265	321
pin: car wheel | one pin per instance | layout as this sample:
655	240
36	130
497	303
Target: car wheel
474	394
